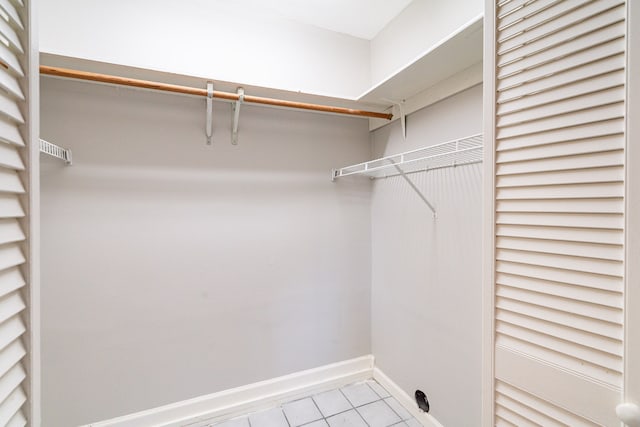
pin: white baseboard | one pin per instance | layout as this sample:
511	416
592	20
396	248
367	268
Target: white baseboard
405	400
210	408
206	409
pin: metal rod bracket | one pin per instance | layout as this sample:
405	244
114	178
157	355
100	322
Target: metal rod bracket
403	120
209	129
236	115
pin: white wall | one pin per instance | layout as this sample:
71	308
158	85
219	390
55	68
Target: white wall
214	39
426	273
229	41
417	28
171	269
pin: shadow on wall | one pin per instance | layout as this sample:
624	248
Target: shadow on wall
426	272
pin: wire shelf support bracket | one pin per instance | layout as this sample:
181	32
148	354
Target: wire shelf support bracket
403	116
414	187
54	150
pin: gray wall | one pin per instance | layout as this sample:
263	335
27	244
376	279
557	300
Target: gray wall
171	269
426	294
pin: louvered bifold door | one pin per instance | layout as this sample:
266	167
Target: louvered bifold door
558	214
14	223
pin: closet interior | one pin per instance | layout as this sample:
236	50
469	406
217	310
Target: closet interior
318	214
192	268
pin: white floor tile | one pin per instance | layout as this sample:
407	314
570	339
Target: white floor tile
301	412
398	408
380	391
360	394
364	404
347	419
332	402
236	422
378	414
269	418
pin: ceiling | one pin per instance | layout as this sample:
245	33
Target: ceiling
359	18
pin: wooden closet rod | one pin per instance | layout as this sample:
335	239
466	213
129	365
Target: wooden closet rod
124	81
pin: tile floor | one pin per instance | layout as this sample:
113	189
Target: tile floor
363	404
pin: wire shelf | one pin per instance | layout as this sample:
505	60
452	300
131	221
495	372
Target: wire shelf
451	153
55	151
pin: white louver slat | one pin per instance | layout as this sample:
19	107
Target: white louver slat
560	23
18	420
11	406
559	193
12	15
11	381
596	144
14	250
571	134
536	410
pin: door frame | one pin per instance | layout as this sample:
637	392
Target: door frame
32	182
631	387
488	220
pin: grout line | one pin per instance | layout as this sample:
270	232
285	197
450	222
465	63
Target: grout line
365	421
318	408
384	403
284	414
341	412
353	408
322	417
379	385
377	394
358	412
345	396
314	421
384	399
394	411
368	403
